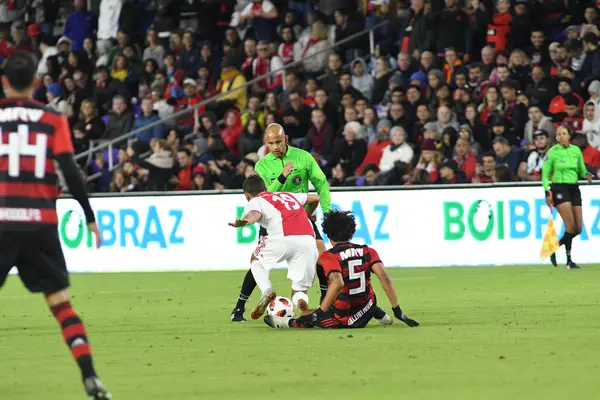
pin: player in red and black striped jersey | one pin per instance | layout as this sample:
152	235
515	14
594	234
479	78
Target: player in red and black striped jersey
350	301
33	140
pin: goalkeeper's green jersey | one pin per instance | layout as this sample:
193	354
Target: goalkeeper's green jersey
305	169
563	165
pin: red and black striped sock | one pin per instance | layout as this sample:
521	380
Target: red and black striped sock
75	335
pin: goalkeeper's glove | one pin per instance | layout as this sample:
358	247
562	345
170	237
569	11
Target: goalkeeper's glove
402	317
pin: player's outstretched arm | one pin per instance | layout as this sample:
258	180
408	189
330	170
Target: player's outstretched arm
390	291
250	218
70	171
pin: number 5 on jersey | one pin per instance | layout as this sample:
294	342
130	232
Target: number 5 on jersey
18	145
353	274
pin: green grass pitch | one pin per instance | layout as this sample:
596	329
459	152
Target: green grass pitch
486	333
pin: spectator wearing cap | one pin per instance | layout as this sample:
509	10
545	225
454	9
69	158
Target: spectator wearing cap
530	168
484	173
200	181
537	121
450	28
558	107
80	25
148	116
351	151
190	99
450	173
507	154
262	14
55	101
429	160
591	123
591	155
397	150
375	149
591	65
500	126
321	135
231	78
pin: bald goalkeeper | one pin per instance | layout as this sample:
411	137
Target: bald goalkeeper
286	169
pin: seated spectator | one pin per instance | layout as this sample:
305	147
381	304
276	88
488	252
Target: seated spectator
55	101
445	118
233	130
310	92
591	155
254	112
222	172
159	165
148	116
289	46
251	138
465	159
292	84
501	128
81	142
448	143
486	172
120	119
320	136
313	53
92	124
537	121
383	135
190	99
573	118
503	173
558	107
351	151
507	154
120	182
206	84
201	181
369	176
370	123
450	174
231	79
591	124
190	55
153	51
361	80
397	150
420	177
492	102
530	168
430	159
451	64
465	132
182	180
296	119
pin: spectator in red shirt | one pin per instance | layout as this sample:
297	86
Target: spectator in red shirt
190	98
465	158
574	118
591	155
321	134
183	180
233	130
375	150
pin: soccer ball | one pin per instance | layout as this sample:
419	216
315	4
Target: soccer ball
281	307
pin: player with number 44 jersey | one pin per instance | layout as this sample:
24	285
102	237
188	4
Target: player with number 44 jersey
291	238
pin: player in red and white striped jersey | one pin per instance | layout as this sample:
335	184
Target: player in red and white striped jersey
291	238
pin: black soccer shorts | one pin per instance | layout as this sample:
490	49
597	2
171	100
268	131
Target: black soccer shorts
563	193
38	257
263	232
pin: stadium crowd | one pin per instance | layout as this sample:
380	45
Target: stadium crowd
455	92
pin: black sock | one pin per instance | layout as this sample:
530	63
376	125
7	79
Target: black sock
322	282
379	313
567	240
247	287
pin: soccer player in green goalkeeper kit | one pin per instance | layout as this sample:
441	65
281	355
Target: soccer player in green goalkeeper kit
286	169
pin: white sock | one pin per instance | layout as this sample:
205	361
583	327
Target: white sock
261	276
297	297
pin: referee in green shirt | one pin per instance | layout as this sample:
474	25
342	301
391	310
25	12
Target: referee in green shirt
286	169
564	166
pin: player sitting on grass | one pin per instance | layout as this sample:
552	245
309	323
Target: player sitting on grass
350	300
291	238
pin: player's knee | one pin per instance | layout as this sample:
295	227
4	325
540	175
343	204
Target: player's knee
56	298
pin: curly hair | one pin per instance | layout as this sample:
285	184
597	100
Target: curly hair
339	226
